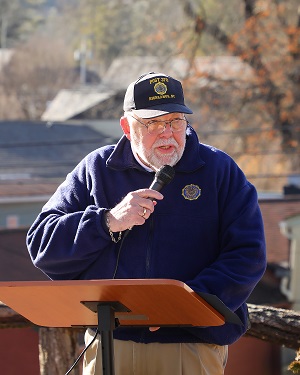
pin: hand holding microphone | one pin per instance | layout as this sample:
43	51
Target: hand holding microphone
138	205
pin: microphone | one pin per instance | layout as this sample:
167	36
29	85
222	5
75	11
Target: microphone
163	177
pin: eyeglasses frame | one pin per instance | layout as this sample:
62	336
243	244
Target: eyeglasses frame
165	121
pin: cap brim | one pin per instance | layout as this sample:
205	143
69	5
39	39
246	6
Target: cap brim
161	110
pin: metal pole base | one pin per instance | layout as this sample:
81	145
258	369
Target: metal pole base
106	325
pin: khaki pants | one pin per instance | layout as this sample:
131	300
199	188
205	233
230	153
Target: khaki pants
157	359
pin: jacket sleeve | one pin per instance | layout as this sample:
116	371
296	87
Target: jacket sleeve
242	255
68	234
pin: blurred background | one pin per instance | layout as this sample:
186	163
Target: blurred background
64	69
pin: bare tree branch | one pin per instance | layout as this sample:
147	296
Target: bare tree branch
249	8
279	326
276	96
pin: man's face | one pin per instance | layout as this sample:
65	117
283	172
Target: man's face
157	150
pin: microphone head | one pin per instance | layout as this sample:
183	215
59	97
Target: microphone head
165	174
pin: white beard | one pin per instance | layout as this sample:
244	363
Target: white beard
153	159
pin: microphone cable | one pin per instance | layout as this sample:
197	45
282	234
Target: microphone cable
82	353
119	252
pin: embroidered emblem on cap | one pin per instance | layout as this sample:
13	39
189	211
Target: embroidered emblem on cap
191	192
160	88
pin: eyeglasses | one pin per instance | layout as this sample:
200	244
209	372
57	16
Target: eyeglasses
156	127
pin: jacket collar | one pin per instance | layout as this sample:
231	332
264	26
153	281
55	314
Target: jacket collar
122	157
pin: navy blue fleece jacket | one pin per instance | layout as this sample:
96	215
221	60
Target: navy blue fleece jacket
214	243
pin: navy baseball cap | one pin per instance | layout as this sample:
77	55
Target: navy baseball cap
155	94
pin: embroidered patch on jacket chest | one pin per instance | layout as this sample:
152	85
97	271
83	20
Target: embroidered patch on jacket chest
191	192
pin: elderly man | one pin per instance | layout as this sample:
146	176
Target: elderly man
204	229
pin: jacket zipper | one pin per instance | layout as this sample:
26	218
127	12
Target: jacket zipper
147	266
149	248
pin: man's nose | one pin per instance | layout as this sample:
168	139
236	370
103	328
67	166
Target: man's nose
168	132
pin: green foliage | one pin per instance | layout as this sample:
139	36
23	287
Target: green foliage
19	19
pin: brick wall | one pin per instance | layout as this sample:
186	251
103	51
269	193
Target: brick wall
275	211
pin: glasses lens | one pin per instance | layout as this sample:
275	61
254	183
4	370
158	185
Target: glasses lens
156	127
177	124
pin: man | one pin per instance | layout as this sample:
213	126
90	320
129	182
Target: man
204	229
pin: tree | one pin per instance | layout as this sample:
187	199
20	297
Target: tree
37	71
18	19
268	40
58	350
279	326
125	27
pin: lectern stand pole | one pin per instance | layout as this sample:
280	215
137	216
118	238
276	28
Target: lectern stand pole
106	325
161	302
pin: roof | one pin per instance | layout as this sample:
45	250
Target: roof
127	69
36	156
69	103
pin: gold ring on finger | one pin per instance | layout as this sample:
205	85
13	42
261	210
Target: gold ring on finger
144	212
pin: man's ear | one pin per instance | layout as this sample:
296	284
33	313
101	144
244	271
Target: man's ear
125	126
